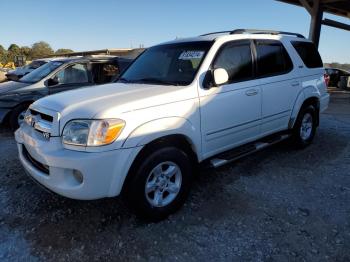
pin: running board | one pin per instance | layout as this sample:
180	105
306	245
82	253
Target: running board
237	153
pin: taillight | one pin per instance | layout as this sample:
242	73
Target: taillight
326	79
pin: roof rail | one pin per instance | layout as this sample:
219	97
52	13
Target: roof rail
271	32
214	33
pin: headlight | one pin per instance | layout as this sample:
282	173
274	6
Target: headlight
92	132
28	117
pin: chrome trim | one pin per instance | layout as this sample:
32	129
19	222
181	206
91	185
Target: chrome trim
217	162
43	126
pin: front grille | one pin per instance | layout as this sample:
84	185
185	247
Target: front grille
43	116
36	164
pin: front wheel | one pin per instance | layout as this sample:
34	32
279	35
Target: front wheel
305	127
160	184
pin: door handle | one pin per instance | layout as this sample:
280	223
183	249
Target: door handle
251	92
296	83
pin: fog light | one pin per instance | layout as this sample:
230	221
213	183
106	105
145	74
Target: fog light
78	176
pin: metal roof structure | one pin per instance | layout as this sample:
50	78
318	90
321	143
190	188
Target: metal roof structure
317	8
334	7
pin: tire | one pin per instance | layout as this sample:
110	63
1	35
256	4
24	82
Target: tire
15	114
305	127
147	191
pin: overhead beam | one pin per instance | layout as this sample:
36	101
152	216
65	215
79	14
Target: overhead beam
332	1
332	23
306	5
316	22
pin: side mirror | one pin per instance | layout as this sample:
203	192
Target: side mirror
220	76
51	82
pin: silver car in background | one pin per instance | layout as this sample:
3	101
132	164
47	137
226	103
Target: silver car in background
19	72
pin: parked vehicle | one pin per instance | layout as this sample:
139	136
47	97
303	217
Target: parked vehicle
209	99
19	72
335	75
53	77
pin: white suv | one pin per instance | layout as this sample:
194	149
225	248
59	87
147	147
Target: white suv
212	99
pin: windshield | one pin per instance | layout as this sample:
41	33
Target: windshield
39	73
169	64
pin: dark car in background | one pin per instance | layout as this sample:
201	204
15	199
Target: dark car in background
56	76
335	76
19	72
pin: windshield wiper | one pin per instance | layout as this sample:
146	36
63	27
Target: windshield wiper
155	81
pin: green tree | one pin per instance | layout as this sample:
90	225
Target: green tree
13	48
40	50
63	51
12	51
26	50
3	54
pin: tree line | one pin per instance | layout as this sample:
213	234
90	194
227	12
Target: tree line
37	50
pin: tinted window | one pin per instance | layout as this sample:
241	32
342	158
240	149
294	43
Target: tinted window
123	64
308	53
236	58
105	72
273	58
169	64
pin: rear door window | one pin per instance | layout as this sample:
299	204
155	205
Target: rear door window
308	53
105	72
236	58
272	58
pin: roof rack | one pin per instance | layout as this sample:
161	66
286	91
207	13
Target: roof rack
214	33
255	31
271	32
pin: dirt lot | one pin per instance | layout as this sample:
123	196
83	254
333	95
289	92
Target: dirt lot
276	205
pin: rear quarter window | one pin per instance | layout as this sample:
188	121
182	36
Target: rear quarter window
308	53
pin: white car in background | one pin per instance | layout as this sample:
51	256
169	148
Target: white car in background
19	72
208	99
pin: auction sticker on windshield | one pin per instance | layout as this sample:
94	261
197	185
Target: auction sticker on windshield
188	55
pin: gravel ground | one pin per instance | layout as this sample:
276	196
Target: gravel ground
277	205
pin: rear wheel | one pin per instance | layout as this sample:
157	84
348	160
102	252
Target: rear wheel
17	116
305	127
160	184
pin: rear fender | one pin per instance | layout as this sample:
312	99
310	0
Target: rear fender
304	94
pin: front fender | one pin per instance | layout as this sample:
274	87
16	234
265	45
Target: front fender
150	131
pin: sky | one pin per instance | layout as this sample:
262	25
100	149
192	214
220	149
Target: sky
97	24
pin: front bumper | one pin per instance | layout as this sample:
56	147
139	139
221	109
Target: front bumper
73	174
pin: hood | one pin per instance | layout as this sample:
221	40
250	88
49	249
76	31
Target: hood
110	100
11	86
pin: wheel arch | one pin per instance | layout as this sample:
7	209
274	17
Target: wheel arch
307	97
179	141
7	116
